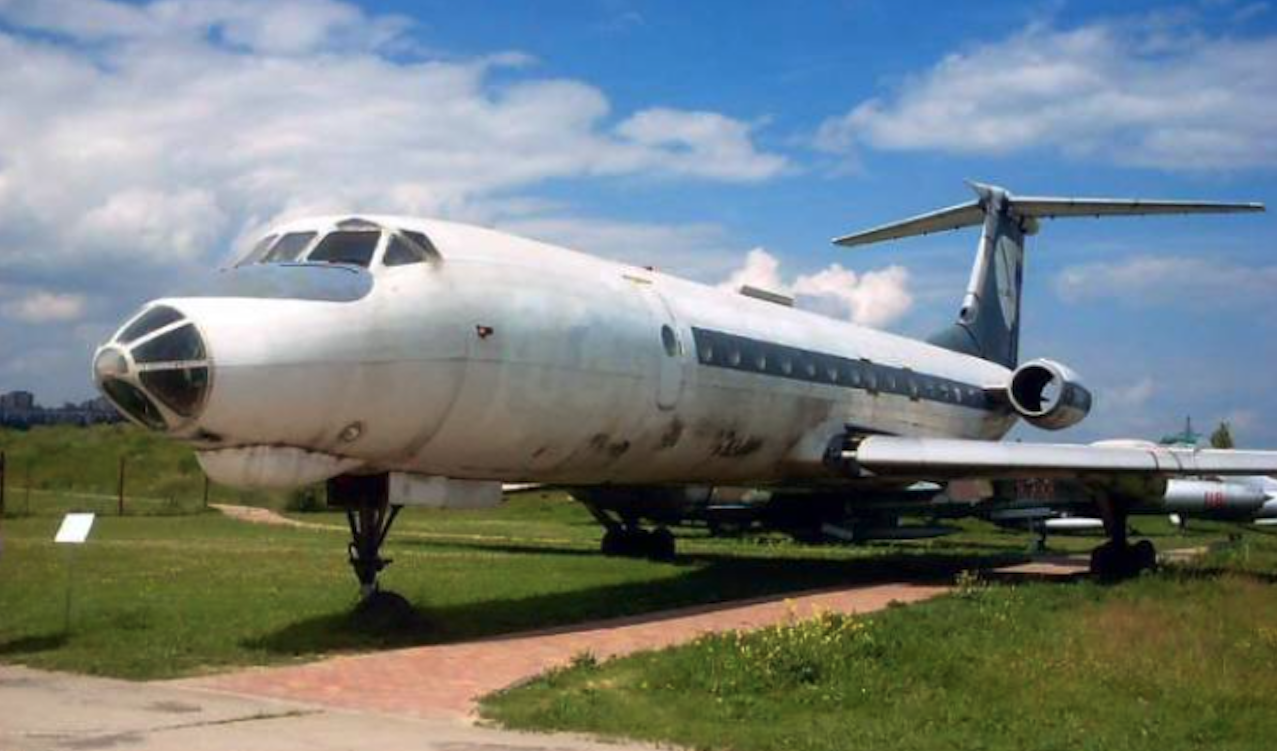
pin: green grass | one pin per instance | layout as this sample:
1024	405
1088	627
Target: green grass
1186	658
55	469
165	596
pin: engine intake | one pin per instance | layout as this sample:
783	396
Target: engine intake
1048	395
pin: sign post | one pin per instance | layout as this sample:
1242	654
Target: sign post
73	533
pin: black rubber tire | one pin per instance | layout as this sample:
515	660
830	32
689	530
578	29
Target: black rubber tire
1105	562
1144	555
660	545
614	542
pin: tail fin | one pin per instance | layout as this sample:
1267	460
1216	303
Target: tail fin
988	324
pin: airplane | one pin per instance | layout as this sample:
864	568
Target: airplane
1046	506
407	361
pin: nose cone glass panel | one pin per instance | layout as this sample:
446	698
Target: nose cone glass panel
110	363
130	400
151	320
181	389
182	344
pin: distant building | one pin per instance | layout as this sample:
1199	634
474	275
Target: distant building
17	401
19	409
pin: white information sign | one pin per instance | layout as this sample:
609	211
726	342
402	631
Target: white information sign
75	528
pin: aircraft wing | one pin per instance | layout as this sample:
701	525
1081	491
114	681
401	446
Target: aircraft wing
948	458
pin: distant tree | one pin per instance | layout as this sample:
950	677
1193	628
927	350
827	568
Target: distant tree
1222	438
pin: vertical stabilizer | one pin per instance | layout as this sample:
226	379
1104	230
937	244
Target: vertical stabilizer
988	324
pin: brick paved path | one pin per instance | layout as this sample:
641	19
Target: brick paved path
446	680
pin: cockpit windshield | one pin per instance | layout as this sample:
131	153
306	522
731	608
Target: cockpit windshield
353	242
289	247
355	248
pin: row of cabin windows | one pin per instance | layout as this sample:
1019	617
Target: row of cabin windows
353	247
718	349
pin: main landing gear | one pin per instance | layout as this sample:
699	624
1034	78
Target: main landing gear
366	500
627	539
1117	559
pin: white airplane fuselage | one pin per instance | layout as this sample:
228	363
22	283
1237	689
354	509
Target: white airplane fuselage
509	359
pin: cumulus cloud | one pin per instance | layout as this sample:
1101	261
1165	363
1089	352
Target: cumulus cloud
138	141
174	123
1169	280
873	298
1135	93
41	306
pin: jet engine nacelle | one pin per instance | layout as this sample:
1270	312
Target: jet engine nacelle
1048	395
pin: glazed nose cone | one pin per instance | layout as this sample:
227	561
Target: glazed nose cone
155	370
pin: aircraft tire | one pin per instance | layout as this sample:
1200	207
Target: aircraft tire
1106	562
1145	556
660	545
614	542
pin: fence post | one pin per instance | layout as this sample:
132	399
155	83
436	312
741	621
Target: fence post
206	491
119	488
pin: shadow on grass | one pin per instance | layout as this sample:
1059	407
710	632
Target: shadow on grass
709	581
29	645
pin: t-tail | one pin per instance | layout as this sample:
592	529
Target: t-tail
988	324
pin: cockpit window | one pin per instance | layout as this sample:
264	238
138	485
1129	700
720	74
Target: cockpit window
422	241
289	247
259	250
400	252
153	319
352	247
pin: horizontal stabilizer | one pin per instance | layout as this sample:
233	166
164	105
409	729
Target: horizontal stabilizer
1030	208
1051	208
967	214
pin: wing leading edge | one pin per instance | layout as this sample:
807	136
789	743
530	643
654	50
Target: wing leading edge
947	458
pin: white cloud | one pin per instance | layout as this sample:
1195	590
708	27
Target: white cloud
175	124
1169	280
139	141
700	251
720	147
1138	94
41	306
873	298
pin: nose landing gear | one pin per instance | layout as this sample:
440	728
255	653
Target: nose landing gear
366	500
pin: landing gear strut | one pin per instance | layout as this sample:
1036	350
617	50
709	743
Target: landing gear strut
627	539
1117	559
366	500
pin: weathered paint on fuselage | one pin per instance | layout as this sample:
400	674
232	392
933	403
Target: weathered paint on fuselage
573	384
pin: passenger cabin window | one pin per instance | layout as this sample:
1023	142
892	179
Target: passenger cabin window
350	247
289	247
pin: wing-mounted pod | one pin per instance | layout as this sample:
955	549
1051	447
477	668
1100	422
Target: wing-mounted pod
1048	395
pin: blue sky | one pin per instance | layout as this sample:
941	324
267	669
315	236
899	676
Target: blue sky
140	143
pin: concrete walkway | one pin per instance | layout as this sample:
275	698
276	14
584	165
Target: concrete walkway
42	711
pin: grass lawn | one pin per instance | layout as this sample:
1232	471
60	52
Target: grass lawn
161	596
1185	658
